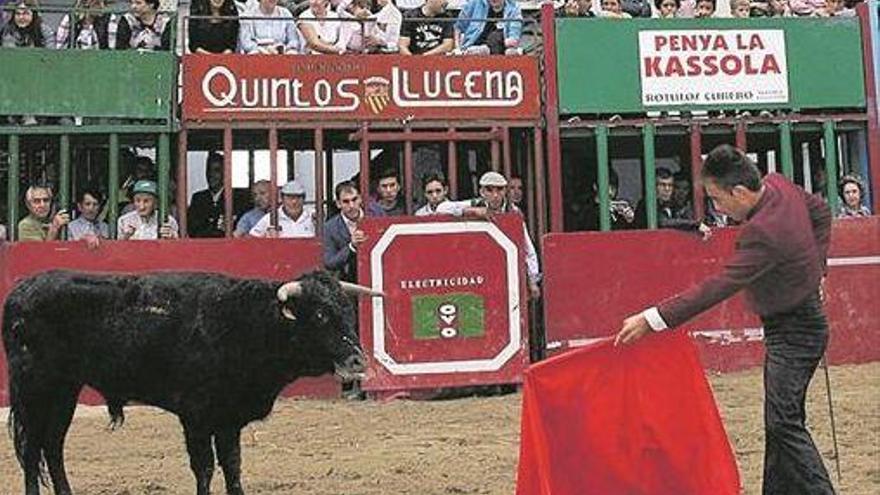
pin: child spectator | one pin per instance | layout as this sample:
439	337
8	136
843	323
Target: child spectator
319	28
214	35
611	9
143	222
426	30
87	224
388	24
667	9
26	29
144	28
851	193
704	9
495	35
578	8
740	9
276	34
91	29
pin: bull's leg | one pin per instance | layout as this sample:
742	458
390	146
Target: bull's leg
27	422
57	424
229	454
201	457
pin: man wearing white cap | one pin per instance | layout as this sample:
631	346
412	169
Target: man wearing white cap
293	220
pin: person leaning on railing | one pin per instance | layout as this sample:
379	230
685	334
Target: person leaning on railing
144	27
91	28
319	29
270	30
499	33
26	28
427	30
219	34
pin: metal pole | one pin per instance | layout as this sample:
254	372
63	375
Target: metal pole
408	171
227	181
603	177
785	150
182	182
496	152
505	152
551	118
12	186
830	139
164	175
650	175
365	162
452	166
824	364
64	178
319	180
113	179
741	141
540	186
273	172
696	170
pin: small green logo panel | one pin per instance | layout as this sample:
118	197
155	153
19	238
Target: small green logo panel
447	316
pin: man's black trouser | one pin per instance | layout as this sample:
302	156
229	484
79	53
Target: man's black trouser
795	342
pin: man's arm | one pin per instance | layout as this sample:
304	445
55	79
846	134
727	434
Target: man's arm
446	46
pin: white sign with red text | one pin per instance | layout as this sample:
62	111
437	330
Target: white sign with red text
713	67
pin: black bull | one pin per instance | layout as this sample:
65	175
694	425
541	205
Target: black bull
214	350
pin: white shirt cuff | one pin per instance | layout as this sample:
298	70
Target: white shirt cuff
654	319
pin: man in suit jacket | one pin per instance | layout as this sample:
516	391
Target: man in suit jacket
342	237
205	216
780	261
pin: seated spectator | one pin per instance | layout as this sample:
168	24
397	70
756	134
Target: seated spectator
806	7
273	33
342	233
260	192
622	213
389	21
436	190
293	220
214	35
27	28
635	8
427	30
88	224
40	224
206	213
851	195
704	9
666	9
143	222
319	28
833	8
740	9
144	27
770	8
90	30
577	8
612	10
494	35
389	201
358	35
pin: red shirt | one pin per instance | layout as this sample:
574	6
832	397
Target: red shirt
779	259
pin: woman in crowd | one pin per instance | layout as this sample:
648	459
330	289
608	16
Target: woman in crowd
90	29
851	195
26	29
219	34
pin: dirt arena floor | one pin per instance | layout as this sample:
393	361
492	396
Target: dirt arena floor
463	446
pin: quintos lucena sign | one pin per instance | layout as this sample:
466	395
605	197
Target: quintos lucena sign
713	67
322	87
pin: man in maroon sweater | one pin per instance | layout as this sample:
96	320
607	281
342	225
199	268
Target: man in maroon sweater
780	261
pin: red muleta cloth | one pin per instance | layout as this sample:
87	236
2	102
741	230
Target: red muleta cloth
627	420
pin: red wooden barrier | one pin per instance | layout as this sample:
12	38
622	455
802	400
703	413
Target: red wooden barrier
593	281
270	259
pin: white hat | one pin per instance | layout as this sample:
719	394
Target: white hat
293	188
493	179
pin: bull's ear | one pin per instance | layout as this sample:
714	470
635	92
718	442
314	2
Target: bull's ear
287	313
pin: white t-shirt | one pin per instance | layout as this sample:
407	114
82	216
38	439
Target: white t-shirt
326	28
143	228
445	208
304	226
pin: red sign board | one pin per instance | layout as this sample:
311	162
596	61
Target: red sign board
378	87
454	306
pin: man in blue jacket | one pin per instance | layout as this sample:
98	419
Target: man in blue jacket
342	234
499	33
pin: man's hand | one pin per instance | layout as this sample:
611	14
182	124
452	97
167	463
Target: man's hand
93	242
60	219
634	328
167	232
358	238
128	231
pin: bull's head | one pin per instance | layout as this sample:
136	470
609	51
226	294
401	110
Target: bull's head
326	319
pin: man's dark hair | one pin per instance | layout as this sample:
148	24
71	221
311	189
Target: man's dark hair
850	179
434	177
663	173
387	173
345	186
81	195
154	3
729	167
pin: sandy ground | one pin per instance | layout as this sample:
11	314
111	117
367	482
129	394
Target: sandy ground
464	446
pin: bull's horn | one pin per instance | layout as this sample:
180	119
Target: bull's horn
290	289
360	289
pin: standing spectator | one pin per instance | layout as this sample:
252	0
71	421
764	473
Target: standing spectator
319	28
214	35
612	9
90	29
27	28
206	213
499	33
427	30
143	222
144	28
667	9
635	8
342	235
851	195
515	192
274	31
388	24
260	192
578	8
740	9
293	220
40	224
87	224
389	202
622	213
436	190
806	7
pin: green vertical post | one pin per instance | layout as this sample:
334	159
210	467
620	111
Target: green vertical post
602	177
785	151
830	163
164	173
113	183
650	175
64	178
12	187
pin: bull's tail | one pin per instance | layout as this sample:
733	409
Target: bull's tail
18	428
